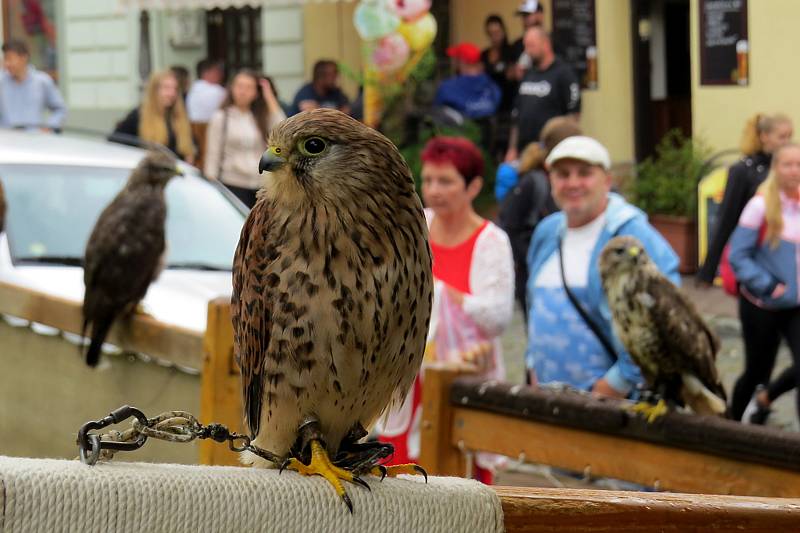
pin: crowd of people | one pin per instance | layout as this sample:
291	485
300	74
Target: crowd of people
557	210
222	128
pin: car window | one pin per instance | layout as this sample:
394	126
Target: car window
52	210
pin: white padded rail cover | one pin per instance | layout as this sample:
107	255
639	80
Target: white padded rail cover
51	495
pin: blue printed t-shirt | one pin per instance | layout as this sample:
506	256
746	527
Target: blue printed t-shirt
476	96
563	349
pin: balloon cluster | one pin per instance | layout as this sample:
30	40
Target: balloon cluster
394	31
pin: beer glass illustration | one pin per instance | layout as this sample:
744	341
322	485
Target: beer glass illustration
742	67
591	67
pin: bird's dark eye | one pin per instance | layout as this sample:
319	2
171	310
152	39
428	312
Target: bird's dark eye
313	146
619	251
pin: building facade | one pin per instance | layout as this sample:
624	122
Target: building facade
648	55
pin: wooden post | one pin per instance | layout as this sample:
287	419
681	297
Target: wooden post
437	454
220	389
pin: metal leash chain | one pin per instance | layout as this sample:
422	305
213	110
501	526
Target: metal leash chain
172	426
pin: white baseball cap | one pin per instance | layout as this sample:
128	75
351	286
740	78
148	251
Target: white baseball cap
581	148
529	6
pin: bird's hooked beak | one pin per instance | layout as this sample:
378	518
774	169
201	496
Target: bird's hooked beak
179	172
271	160
634	251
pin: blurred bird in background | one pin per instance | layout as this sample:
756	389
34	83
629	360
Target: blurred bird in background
661	329
332	290
125	251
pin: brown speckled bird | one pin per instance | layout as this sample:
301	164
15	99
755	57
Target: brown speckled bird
125	249
332	290
661	329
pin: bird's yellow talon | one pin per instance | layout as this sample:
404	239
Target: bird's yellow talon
396	470
649	411
321	465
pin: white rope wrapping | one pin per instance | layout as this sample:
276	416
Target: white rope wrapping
51	495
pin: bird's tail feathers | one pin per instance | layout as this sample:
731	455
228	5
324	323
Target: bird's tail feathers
100	329
83	335
700	398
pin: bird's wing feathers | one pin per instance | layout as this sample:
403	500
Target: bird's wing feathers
123	252
252	337
684	331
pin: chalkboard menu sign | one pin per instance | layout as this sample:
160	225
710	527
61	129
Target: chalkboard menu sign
724	47
574	37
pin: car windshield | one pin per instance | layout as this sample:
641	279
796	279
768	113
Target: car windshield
52	210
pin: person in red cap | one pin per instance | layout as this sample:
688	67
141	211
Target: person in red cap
471	91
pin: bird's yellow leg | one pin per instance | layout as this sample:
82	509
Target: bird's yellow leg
396	470
651	412
321	465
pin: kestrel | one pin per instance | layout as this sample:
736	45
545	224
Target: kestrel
661	329
332	290
125	251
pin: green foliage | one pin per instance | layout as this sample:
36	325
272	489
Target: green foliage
667	183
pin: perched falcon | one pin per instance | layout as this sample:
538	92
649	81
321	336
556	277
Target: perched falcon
332	290
125	249
661	329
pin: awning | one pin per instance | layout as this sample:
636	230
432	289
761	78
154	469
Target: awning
212	4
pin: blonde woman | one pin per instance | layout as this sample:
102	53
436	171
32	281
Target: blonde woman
161	118
237	134
763	134
764	256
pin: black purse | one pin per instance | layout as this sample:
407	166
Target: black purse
605	341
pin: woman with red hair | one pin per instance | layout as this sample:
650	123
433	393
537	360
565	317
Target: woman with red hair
473	270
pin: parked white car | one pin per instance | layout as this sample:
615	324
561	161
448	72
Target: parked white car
57	185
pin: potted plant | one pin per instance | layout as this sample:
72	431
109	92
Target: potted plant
666	189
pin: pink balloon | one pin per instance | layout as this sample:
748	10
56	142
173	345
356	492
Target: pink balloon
390	53
411	9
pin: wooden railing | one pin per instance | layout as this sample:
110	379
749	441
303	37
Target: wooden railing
536	510
140	334
679	452
450	427
210	352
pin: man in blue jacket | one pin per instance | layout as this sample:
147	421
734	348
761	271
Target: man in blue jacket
472	92
562	346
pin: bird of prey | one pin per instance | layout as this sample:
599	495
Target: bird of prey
661	329
332	294
125	249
